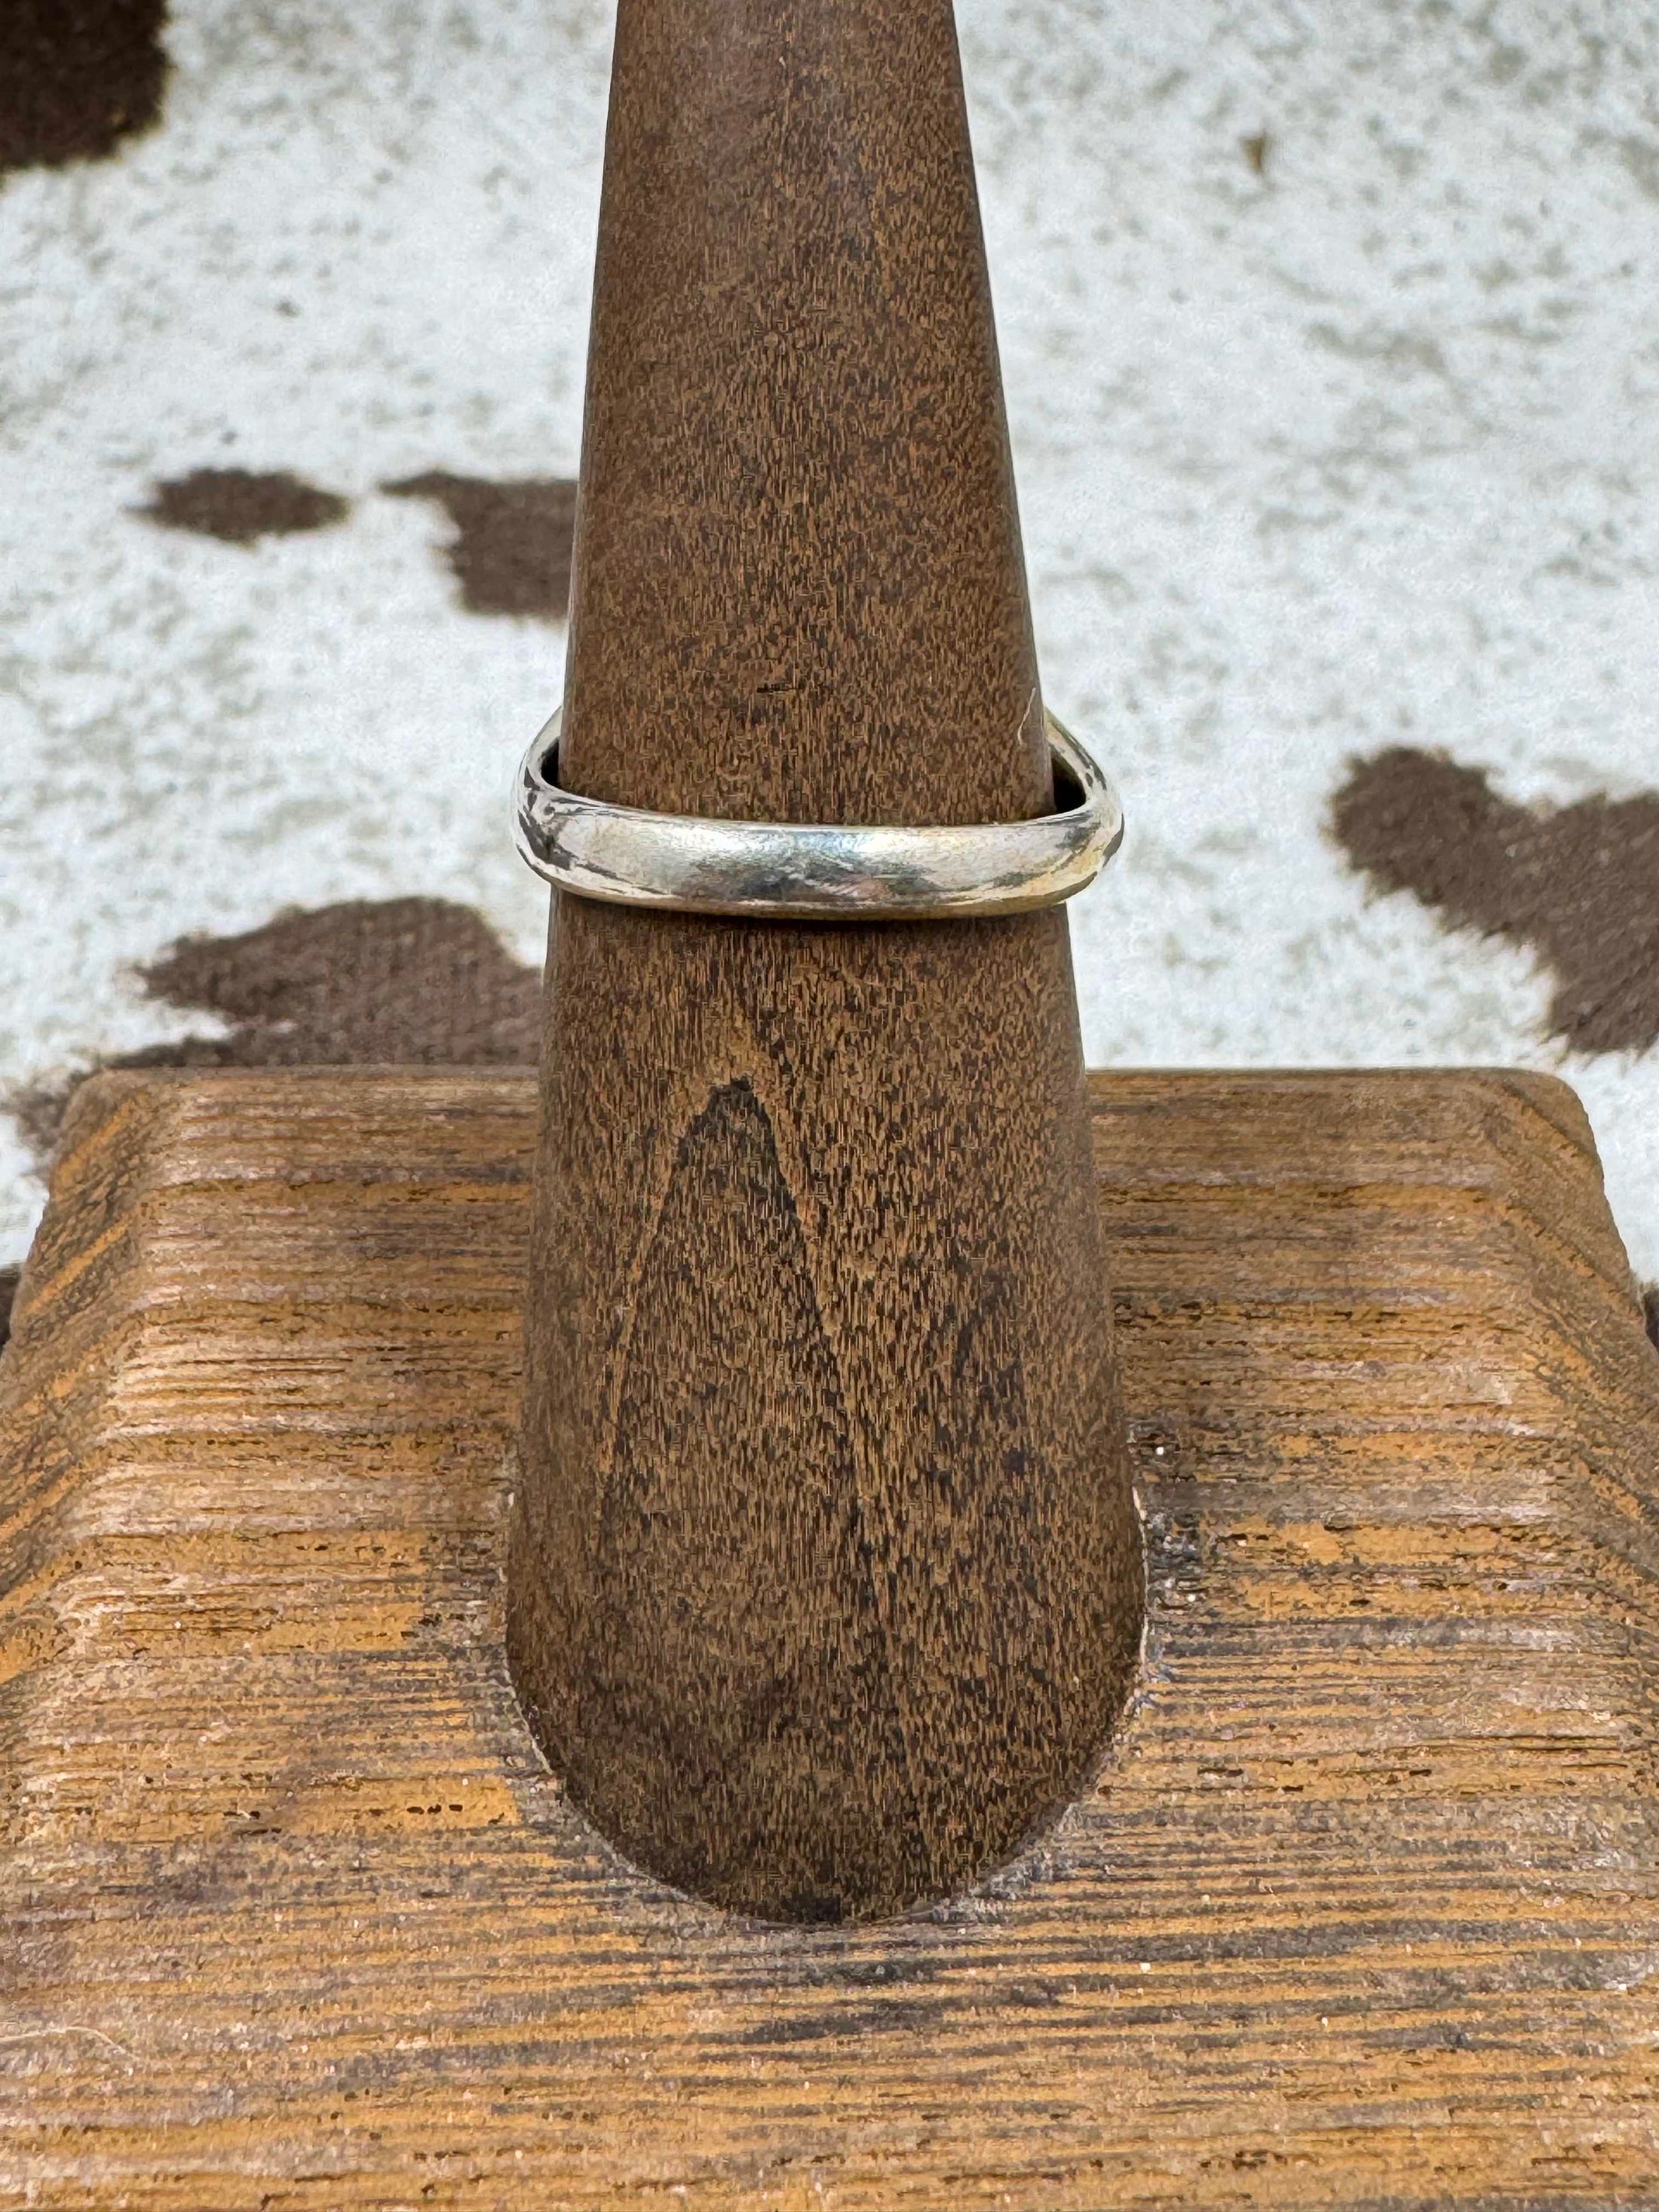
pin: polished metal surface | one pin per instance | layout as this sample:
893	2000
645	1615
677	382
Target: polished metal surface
817	871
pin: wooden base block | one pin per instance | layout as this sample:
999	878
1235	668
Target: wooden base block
1364	1912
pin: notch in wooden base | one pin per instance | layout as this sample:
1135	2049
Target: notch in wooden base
1362	1912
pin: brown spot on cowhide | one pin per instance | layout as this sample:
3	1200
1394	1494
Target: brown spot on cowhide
511	554
419	980
1579	884
237	505
76	77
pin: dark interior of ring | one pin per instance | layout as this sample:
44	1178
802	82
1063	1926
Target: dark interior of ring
1068	791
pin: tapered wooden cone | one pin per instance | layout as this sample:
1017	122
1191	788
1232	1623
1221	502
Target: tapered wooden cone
824	1584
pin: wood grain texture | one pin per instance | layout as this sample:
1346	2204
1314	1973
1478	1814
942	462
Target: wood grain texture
826	1584
1363	1913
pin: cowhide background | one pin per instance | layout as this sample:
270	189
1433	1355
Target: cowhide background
1333	365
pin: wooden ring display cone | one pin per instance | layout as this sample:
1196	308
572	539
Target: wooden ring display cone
826	1582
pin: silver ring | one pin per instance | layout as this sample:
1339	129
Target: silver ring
817	872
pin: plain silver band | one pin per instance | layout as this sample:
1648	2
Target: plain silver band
816	871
